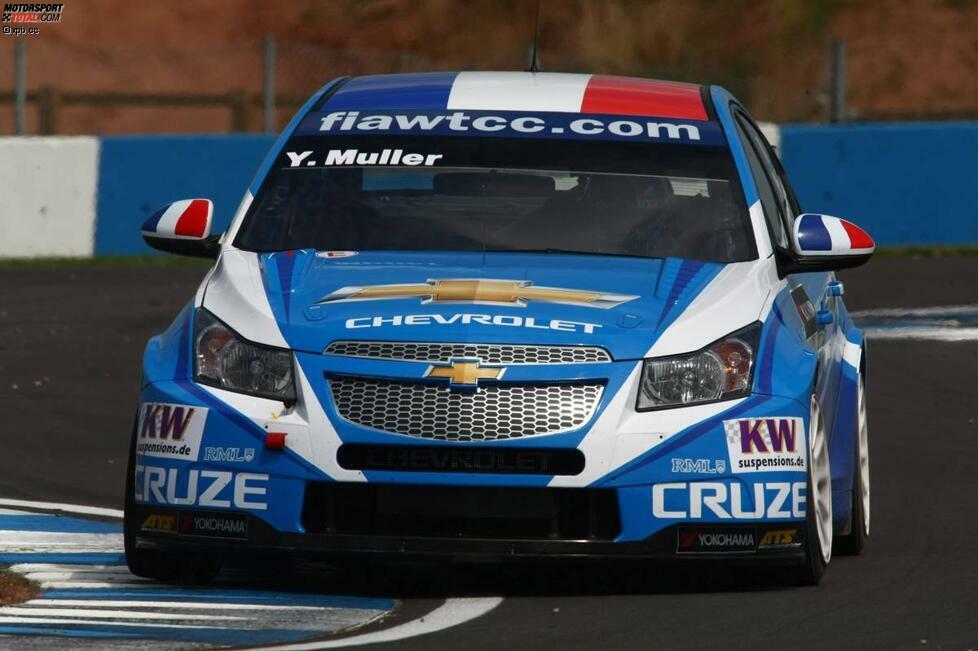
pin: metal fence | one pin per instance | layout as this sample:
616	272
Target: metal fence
256	85
267	81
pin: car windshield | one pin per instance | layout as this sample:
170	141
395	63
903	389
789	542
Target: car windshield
492	194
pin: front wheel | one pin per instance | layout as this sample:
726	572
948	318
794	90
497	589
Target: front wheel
852	543
818	526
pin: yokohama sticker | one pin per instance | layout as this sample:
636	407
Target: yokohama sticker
214	525
766	444
170	431
699	540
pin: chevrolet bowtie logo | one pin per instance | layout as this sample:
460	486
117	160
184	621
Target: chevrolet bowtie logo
497	292
464	373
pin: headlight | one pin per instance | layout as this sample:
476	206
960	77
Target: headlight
223	359
722	371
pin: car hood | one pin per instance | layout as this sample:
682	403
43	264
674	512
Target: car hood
314	298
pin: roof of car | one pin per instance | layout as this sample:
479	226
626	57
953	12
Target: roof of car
520	91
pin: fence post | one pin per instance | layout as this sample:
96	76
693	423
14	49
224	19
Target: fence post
239	110
48	105
268	86
838	109
20	87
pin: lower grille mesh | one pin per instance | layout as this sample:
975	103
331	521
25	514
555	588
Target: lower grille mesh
494	412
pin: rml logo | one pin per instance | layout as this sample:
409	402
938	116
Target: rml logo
165	421
766	444
170	431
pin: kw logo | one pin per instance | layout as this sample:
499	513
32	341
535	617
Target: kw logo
464	373
779	537
766	444
165	421
781	435
494	292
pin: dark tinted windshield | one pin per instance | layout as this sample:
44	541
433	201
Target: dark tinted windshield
492	194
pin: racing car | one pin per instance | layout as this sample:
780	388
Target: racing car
507	315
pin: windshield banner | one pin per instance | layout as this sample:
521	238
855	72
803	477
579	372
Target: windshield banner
574	126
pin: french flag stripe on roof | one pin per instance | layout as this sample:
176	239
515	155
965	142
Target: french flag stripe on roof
421	91
541	92
555	92
628	96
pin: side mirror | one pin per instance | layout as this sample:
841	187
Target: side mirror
184	228
824	243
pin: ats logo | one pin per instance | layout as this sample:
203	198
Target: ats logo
780	538
170	431
766	444
160	523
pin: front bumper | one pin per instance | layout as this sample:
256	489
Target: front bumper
241	535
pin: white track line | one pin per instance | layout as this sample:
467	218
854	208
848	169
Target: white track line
101	622
114	585
108	614
106	577
452	613
915	311
182	605
24	568
923	332
54	549
42	541
66	508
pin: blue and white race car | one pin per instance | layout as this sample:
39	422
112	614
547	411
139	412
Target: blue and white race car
507	315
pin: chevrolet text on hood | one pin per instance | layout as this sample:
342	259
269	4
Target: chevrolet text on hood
507	314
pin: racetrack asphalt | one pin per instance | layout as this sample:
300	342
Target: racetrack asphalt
71	338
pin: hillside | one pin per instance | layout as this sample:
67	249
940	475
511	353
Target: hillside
914	58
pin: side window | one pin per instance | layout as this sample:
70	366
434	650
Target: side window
765	190
783	177
786	201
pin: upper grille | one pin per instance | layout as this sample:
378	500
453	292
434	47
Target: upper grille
487	353
494	412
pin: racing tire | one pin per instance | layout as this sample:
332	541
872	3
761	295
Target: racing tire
853	542
818	509
193	568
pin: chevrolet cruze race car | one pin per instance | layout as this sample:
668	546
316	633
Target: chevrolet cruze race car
507	315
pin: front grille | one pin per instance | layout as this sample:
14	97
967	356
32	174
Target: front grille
494	412
461	512
487	353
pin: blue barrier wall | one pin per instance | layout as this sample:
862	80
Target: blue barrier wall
904	183
139	174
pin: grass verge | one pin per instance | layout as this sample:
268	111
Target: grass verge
928	251
16	588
